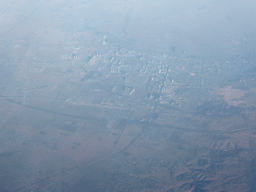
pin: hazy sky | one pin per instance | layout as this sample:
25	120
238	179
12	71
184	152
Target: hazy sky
198	27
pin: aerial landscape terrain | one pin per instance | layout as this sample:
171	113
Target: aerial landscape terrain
135	95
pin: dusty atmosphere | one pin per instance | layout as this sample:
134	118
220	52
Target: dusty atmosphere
132	95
